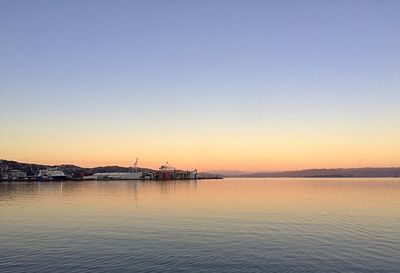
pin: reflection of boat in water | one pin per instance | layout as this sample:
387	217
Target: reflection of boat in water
51	174
132	174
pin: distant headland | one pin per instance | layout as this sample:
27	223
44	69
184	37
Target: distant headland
309	173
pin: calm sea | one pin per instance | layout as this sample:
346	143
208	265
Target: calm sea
230	225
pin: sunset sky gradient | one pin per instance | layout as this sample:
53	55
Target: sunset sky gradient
246	85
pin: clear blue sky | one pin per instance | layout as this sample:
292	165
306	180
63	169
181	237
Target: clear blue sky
174	75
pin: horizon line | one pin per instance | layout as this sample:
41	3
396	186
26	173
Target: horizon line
215	171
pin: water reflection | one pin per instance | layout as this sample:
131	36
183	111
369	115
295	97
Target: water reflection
8	188
333	195
81	189
231	225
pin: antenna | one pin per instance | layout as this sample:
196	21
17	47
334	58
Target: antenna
135	165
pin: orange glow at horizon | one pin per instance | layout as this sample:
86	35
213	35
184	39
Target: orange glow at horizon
217	157
238	149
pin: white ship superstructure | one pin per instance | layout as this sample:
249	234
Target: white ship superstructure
51	174
133	174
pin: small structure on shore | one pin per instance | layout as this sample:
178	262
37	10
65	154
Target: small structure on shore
14	175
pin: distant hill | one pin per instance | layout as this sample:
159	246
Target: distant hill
228	173
31	168
340	172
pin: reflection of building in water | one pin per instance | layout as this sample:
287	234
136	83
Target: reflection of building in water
15	189
181	185
164	187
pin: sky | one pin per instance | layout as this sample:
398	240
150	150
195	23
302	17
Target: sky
212	85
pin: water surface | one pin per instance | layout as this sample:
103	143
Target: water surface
230	225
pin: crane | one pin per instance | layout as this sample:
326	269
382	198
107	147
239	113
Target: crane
135	165
167	167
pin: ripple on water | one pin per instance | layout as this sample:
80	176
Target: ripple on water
247	225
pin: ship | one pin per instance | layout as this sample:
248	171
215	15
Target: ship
132	174
51	174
